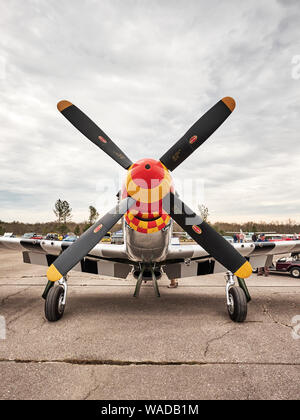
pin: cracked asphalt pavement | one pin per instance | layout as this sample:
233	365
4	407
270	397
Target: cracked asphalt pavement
182	345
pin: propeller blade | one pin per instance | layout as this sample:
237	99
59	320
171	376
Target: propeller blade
79	249
220	249
198	133
89	129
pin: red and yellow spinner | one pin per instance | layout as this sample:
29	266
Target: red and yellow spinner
148	182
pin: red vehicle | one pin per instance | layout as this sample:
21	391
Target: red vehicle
288	265
32	235
278	237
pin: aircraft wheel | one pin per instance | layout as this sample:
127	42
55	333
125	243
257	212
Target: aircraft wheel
295	272
54	308
237	309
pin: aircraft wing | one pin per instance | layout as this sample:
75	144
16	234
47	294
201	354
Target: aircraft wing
192	260
104	259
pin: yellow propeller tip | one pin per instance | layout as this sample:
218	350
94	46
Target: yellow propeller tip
53	274
229	102
63	105
244	271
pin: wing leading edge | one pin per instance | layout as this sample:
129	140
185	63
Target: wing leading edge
192	260
104	259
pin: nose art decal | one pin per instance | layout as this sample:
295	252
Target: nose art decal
196	229
193	139
97	228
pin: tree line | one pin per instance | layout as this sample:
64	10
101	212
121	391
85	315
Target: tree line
63	223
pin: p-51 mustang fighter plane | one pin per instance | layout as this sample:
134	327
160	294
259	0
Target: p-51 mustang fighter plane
149	205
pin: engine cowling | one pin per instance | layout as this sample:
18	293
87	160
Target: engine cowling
148	182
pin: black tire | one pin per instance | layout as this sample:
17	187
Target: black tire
295	272
54	310
238	309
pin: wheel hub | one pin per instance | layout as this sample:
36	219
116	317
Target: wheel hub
61	303
231	304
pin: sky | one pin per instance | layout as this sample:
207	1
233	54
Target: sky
145	71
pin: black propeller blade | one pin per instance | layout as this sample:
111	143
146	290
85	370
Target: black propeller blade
79	249
220	249
198	133
88	128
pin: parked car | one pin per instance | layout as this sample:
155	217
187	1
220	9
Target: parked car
248	237
289	265
182	236
281	237
117	237
52	236
290	237
107	237
32	235
273	237
70	238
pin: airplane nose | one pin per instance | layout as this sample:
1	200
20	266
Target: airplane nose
148	182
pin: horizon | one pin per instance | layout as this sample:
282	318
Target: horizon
287	221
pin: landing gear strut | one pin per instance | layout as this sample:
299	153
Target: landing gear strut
56	300
140	280
236	298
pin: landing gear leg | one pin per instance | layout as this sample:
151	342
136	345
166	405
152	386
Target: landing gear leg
56	300
47	288
154	282
243	286
236	299
139	282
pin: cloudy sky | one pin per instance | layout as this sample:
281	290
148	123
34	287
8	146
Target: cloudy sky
145	71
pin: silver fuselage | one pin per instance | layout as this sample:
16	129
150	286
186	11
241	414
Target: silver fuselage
147	247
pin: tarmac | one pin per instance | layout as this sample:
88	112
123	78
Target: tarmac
183	345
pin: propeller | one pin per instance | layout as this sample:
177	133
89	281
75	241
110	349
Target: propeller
89	129
198	133
80	248
217	247
138	193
